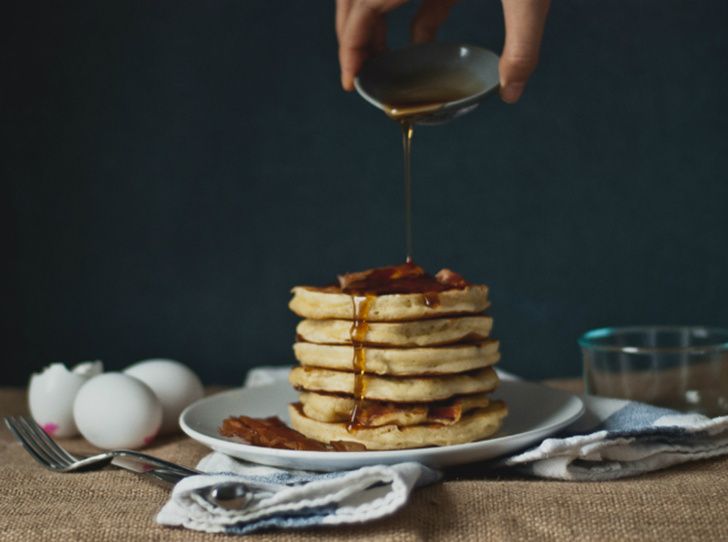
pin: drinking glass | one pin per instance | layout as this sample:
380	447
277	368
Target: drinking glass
679	367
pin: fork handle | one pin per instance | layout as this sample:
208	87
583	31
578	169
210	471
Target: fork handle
166	477
158	462
162	477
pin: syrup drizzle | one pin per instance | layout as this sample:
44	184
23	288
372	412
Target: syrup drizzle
432	299
358	335
414	98
407	132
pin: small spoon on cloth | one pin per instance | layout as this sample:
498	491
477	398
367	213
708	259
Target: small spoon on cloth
431	83
228	495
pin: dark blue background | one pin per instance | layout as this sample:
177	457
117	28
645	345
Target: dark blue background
170	169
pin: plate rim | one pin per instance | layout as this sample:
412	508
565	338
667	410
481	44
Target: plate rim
425	453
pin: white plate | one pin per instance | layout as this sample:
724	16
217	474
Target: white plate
534	412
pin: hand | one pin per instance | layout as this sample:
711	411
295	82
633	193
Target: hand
362	31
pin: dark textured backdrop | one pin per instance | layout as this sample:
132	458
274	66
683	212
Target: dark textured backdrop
170	169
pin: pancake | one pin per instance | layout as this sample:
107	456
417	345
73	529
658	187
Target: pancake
401	390
477	424
438	331
331	303
401	361
338	408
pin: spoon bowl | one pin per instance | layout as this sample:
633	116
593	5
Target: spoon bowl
429	83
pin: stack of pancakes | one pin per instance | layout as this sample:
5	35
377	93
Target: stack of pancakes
394	358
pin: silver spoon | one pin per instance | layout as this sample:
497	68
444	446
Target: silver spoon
430	83
228	495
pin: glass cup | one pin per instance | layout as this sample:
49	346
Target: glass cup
680	367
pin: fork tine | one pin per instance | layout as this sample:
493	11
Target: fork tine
45	437
22	427
19	434
41	438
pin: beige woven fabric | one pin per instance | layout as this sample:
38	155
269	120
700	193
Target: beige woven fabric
684	503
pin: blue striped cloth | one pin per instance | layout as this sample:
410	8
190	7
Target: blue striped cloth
617	438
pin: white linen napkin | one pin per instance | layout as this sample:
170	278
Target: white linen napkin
281	498
288	498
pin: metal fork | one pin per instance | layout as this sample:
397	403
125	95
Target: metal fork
49	454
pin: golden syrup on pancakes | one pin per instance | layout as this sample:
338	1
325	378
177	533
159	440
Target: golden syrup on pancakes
358	335
363	287
432	299
406	278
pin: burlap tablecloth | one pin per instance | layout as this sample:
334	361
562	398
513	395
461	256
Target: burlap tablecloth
684	503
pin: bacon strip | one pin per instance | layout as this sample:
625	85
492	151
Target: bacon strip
407	278
360	279
447	414
449	277
268	432
273	433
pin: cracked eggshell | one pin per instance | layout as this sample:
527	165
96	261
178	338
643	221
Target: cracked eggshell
51	394
173	383
114	410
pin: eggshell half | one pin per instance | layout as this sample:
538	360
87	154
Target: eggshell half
51	394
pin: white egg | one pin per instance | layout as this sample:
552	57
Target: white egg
174	384
51	394
114	410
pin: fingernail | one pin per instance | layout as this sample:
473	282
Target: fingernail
511	92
